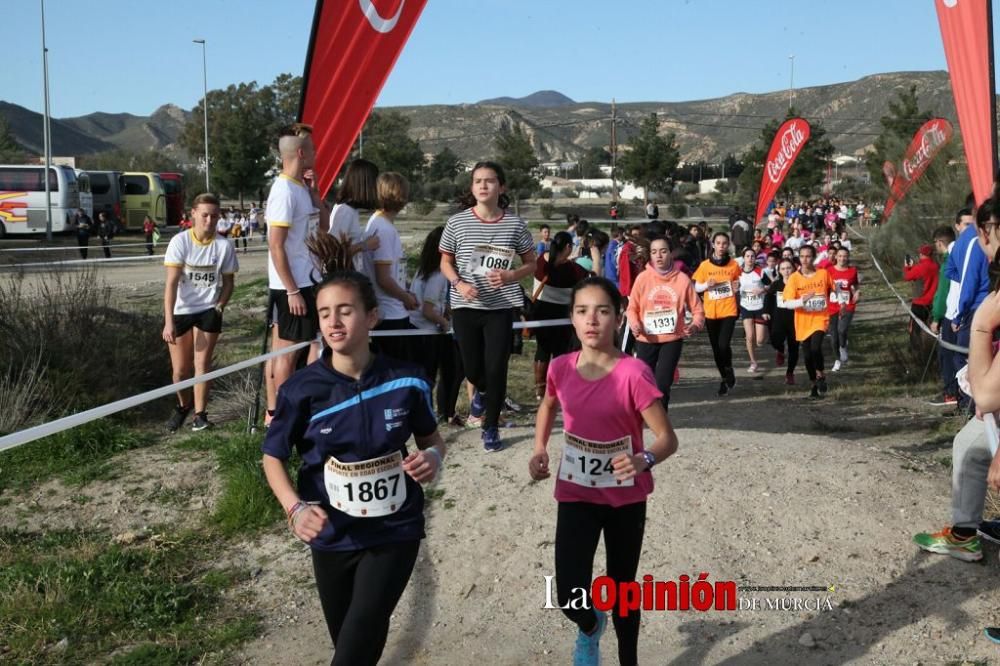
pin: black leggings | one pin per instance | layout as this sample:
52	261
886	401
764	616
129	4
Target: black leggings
399	348
578	529
358	590
782	332
839	323
812	349
662	358
552	340
720	334
484	338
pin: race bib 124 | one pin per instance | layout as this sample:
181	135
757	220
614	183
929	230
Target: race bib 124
588	464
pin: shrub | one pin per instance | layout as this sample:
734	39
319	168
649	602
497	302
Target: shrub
547	210
677	210
67	346
422	207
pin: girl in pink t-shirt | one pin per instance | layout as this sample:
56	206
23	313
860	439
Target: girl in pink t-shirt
603	475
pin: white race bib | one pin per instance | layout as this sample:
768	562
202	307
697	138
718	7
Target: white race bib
660	322
842	297
588	464
720	291
815	304
366	489
201	279
781	299
486	258
752	301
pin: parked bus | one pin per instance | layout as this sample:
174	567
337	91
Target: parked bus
143	195
86	196
173	185
106	188
22	198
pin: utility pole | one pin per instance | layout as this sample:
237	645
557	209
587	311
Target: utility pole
791	79
46	132
614	153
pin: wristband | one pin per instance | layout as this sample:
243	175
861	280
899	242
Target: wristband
454	283
650	459
437	454
294	293
294	511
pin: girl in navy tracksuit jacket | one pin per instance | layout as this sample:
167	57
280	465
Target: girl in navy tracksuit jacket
358	502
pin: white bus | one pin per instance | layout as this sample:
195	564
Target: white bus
22	198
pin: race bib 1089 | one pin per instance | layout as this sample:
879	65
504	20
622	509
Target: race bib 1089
486	258
588	464
366	489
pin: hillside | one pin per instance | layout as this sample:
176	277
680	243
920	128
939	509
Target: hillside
559	127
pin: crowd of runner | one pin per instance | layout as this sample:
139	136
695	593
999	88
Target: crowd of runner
632	295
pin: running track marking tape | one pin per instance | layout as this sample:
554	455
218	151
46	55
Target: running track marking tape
98	262
59	425
926	329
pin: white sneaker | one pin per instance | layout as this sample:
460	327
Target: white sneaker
843	354
752	369
836	366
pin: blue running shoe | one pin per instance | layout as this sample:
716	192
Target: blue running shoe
491	440
588	647
478	406
992	633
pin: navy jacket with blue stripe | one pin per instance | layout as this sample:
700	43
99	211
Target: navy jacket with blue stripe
322	413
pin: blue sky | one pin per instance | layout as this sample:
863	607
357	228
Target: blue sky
132	56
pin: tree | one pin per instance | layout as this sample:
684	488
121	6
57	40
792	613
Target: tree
444	166
806	175
517	157
592	160
898	127
11	151
651	158
287	91
387	143
241	128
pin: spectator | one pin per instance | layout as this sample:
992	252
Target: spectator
84	225
740	233
611	254
652	210
148	227
924	270
969	268
106	228
944	239
543	244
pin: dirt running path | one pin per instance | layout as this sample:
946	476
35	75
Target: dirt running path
767	488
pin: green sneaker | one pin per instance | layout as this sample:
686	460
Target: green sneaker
946	543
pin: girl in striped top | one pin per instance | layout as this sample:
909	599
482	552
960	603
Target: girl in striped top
478	249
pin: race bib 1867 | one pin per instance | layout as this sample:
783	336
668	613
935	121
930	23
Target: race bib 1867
366	489
486	258
588	464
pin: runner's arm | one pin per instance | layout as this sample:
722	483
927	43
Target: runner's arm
276	237
665	444
306	521
387	283
174	274
228	283
538	465
424	465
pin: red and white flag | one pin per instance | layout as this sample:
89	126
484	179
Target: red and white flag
353	47
926	144
787	145
967	33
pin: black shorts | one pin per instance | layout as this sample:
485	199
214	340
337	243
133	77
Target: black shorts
291	327
209	321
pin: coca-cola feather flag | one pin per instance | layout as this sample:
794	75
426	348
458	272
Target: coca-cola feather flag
926	144
353	47
967	33
787	145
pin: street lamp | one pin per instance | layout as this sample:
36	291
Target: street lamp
46	132
791	78
204	103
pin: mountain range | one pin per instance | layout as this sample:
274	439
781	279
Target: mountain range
558	127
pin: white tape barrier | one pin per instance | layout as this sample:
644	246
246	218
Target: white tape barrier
101	260
410	332
70	248
67	422
906	306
